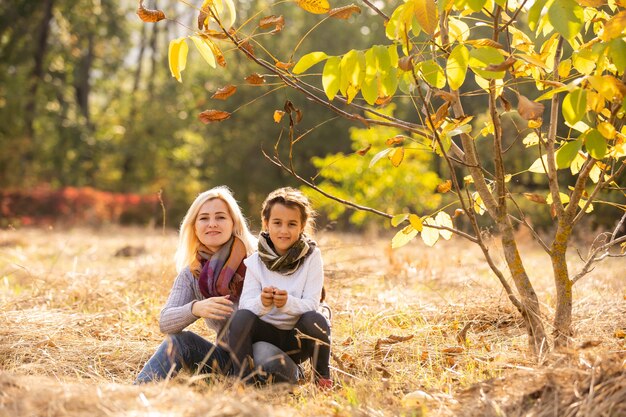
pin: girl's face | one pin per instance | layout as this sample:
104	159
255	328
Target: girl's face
284	227
214	224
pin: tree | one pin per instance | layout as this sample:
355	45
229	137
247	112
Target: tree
441	57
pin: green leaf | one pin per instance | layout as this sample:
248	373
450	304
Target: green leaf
430	235
476	5
617	52
403	237
389	83
534	14
398	218
575	106
595	144
205	50
177	57
432	73
416	222
567	17
566	153
352	69
456	68
308	60
331	77
484	56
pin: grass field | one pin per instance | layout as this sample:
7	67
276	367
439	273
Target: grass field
77	323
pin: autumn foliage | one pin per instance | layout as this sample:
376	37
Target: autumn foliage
70	206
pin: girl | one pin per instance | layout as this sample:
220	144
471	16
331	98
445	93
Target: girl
282	290
213	242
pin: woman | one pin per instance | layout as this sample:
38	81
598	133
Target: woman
214	240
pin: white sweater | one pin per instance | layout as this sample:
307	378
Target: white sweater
303	286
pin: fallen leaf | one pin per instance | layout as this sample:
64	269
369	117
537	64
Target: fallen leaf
224	92
209	116
255	79
344	12
385	373
620	333
149	15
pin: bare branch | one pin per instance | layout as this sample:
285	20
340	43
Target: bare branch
376	9
603	252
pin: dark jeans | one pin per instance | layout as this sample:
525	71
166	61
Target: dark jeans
184	350
193	352
309	339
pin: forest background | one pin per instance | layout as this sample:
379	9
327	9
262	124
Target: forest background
87	100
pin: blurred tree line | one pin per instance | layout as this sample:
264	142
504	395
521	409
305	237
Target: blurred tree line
87	99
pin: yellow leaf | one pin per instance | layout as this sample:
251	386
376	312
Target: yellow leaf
205	50
278	115
607	130
614	28
177	57
426	15
416	222
443	219
396	155
314	6
403	237
430	235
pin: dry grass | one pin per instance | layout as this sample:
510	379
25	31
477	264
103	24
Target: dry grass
77	323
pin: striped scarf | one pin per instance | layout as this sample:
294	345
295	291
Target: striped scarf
222	273
288	263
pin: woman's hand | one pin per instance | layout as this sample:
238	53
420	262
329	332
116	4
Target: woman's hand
267	296
217	308
280	298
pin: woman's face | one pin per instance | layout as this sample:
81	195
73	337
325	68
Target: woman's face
284	227
214	224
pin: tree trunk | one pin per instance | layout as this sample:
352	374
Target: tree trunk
36	76
563	314
82	84
531	313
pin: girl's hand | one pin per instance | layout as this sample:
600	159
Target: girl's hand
267	296
217	308
280	298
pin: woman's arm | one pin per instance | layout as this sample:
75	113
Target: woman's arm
252	288
176	314
314	281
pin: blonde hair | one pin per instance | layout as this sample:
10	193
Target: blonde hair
188	242
293	198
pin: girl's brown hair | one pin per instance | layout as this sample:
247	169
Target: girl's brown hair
292	198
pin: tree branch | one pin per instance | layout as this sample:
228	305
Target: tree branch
605	253
376	9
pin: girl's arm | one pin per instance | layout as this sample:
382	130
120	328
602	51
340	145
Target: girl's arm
176	314
312	292
251	294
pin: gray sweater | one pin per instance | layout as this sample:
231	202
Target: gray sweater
176	314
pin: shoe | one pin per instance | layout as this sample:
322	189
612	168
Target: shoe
325	383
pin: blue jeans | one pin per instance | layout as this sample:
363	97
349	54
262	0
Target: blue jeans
184	350
187	350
